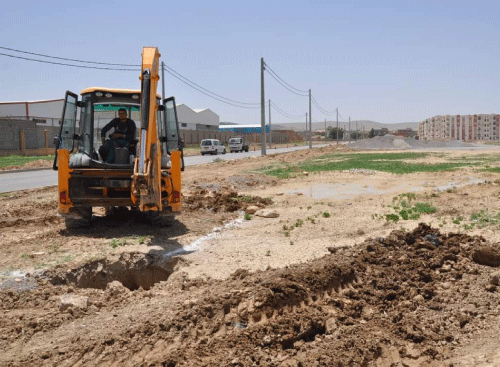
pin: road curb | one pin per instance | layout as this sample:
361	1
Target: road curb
24	170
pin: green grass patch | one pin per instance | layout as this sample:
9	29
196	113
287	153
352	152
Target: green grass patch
19	160
484	218
405	208
397	163
491	169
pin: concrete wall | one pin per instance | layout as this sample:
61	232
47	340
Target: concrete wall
34	136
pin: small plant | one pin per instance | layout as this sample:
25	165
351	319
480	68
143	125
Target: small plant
291	243
114	243
299	223
392	218
287	233
458	219
246	199
326	215
268	253
247	216
142	239
218	159
285	227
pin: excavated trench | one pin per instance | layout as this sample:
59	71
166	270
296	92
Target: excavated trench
133	270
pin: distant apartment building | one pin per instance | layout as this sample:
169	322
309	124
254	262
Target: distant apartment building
460	127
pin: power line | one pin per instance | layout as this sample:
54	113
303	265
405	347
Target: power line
321	109
170	71
208	95
190	81
284	86
277	76
63	58
285	114
60	63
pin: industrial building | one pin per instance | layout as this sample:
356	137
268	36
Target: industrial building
43	112
460	127
196	119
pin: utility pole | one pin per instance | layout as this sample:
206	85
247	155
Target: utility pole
349	128
306	131
310	123
325	129
162	82
270	130
337	109
262	110
356	135
363	131
162	90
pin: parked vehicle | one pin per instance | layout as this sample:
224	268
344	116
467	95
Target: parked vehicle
212	146
238	144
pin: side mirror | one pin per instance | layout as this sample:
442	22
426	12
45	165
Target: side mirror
56	141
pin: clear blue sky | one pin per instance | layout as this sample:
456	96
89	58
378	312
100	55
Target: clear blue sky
381	60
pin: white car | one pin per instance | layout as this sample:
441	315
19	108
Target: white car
212	146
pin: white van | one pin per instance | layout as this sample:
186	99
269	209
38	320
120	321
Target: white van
212	146
238	144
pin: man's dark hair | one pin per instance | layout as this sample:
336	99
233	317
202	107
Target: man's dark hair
122	109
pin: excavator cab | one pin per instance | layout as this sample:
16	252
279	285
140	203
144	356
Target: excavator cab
145	175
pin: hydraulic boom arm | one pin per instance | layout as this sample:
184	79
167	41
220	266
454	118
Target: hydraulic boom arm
146	183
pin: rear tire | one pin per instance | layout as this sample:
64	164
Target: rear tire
83	222
153	218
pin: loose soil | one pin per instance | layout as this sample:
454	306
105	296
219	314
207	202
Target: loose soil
329	282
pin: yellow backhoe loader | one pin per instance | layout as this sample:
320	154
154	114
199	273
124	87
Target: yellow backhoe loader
145	173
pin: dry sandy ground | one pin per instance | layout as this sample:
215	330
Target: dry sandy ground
212	288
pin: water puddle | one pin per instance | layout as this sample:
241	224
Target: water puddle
451	185
348	190
198	243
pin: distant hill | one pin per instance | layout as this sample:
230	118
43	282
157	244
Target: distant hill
367	124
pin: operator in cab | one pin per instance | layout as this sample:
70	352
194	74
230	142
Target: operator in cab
122	136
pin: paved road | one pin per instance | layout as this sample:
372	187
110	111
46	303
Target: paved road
40	178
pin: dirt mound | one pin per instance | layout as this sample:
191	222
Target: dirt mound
39	163
222	200
15	215
401	300
392	142
250	181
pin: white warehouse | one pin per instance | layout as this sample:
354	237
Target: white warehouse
190	119
45	111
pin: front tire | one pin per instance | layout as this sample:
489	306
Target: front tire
224	151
